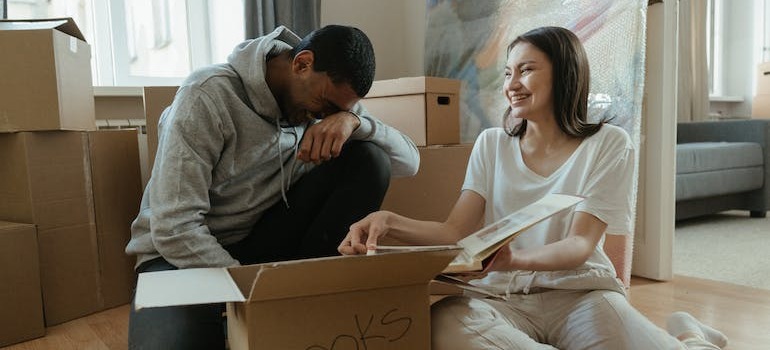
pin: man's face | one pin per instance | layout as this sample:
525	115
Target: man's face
314	96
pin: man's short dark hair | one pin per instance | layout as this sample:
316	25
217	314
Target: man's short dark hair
344	53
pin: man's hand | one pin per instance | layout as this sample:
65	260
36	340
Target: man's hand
323	140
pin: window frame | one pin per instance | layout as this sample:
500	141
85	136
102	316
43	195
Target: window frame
114	44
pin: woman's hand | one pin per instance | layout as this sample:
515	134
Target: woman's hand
502	260
364	234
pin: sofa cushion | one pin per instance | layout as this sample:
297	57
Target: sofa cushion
718	182
699	157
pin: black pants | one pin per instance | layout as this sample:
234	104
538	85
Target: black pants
322	205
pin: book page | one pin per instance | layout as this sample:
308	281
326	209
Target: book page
484	242
459	283
408	248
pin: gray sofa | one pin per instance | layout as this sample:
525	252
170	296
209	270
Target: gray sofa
723	165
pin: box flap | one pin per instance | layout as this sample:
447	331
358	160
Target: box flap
414	85
185	287
348	273
65	25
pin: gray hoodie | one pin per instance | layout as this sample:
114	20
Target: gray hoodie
225	155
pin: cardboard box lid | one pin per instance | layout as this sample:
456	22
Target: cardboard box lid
289	279
65	25
347	274
185	287
414	85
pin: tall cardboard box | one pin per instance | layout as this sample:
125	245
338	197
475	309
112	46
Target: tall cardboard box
431	194
427	109
117	191
45	67
156	99
763	78
20	301
45	180
760	105
356	302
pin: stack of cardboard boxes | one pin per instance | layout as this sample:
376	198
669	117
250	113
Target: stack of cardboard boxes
427	109
760	107
68	192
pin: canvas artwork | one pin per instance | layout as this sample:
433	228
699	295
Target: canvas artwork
467	40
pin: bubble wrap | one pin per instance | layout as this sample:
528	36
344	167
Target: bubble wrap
467	39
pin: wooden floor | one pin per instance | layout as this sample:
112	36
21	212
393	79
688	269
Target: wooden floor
740	312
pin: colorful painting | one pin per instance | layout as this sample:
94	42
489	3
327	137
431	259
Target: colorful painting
467	40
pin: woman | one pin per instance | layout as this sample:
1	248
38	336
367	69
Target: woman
557	286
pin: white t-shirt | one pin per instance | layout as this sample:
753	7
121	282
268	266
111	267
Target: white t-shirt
600	169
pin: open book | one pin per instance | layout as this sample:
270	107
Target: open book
485	242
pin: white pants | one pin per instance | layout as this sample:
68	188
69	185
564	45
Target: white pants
565	319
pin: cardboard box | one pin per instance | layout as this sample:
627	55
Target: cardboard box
360	302
427	109
760	106
156	99
46	76
82	190
20	299
431	194
763	79
45	180
117	192
69	272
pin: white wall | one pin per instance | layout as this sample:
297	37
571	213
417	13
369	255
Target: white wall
395	27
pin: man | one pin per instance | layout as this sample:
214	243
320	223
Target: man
268	157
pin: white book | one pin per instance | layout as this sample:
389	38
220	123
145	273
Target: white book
485	242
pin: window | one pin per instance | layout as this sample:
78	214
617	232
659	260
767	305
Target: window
738	38
146	42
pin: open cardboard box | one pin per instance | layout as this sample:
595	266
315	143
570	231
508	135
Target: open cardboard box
46	76
359	302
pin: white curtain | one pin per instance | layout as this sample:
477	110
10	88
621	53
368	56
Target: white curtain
693	89
262	16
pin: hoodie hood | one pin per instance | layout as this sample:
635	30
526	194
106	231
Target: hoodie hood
249	52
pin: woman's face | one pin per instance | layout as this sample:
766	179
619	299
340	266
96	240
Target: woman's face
528	85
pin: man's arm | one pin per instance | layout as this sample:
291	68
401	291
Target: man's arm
404	157
189	147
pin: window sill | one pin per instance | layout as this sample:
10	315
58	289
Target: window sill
736	99
118	91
